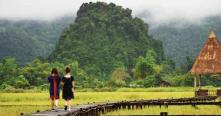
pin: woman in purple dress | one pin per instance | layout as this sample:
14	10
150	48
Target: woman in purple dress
54	81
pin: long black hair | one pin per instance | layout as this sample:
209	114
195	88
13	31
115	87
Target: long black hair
54	71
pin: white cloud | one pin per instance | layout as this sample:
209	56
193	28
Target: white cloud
160	10
45	9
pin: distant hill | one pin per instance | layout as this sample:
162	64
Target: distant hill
181	39
103	37
27	39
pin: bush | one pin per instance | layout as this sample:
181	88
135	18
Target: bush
21	82
137	84
105	89
179	80
44	87
5	85
149	81
9	88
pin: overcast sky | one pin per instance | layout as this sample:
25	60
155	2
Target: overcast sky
159	10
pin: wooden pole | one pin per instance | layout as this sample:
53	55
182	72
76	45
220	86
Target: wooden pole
199	81
195	82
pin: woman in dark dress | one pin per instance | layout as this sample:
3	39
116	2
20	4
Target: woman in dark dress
68	88
54	81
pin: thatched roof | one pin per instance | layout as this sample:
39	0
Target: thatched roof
209	59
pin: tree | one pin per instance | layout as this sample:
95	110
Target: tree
36	72
187	65
8	69
151	57
146	66
119	76
141	68
149	81
21	82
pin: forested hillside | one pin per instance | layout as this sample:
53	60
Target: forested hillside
181	39
27	39
104	37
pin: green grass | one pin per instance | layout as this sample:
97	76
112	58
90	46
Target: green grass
172	110
16	110
12	104
157	89
85	97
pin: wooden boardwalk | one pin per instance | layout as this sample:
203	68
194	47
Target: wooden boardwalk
61	112
97	109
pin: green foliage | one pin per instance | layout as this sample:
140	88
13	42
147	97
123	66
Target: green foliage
5	86
118	77
8	70
146	66
149	81
168	66
142	68
187	65
36	72
211	80
21	82
147	69
179	79
44	87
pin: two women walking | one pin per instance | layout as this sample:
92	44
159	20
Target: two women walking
68	88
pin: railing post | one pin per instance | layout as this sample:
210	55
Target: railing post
163	114
199	81
195	83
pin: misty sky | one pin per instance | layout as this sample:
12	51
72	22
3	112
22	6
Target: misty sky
159	10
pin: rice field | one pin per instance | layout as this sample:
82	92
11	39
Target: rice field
12	104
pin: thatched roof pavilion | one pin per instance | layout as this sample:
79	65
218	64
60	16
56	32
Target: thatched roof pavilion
209	59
